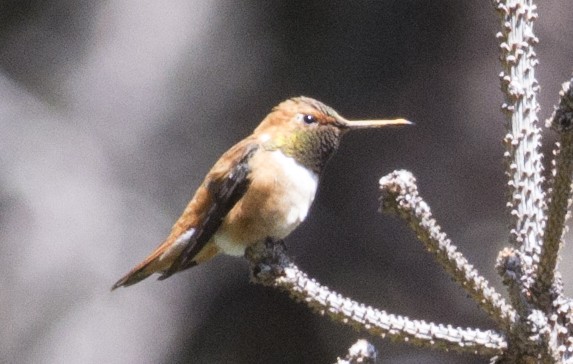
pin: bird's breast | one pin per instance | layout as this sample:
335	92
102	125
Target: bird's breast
277	201
297	186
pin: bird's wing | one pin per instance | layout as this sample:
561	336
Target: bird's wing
224	185
225	193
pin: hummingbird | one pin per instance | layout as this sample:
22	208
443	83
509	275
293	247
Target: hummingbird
261	188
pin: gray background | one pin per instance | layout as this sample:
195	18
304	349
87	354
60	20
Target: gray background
111	113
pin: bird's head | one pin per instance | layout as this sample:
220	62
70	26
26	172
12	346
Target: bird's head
310	131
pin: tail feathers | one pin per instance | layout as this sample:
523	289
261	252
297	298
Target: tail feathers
132	278
164	260
157	261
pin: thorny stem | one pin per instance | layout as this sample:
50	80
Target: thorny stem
361	352
270	266
400	195
559	192
524	168
523	134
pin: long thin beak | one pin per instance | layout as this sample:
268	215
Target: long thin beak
381	123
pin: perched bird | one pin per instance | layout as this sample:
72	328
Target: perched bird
261	188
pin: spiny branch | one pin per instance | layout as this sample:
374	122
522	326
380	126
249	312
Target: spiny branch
559	193
270	266
523	137
362	352
400	196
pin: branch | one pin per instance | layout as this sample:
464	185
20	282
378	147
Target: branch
400	195
530	336
270	266
523	137
362	352
559	191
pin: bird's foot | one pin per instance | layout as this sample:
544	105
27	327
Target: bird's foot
268	260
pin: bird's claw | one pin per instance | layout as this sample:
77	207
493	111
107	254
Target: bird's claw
268	260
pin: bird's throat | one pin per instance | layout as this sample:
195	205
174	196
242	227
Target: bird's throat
311	149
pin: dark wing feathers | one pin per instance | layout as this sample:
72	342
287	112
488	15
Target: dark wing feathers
225	194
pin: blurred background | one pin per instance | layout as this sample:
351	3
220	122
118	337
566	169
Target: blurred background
111	112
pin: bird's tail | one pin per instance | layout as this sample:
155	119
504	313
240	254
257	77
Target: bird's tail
174	255
157	261
132	277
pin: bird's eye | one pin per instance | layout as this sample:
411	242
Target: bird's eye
309	119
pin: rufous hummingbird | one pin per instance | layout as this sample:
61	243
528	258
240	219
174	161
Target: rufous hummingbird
261	188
